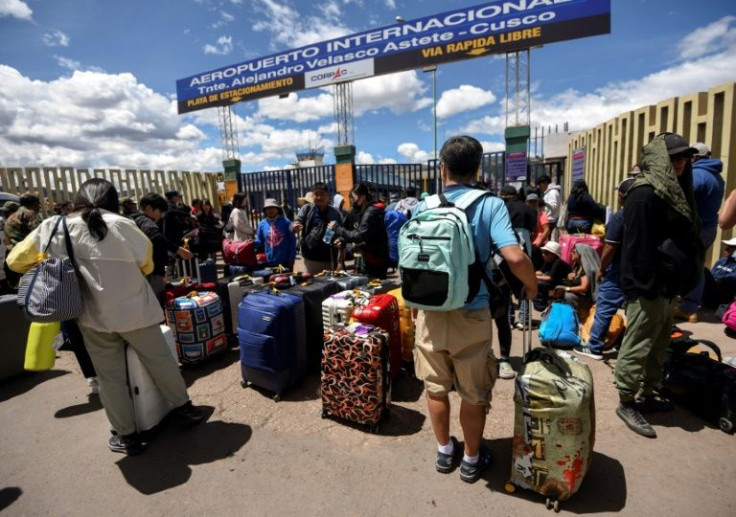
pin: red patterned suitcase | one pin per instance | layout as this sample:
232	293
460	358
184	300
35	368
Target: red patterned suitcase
355	381
382	311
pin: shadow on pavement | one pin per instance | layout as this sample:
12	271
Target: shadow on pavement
8	496
93	404
26	382
406	388
602	490
192	372
681	418
400	421
167	461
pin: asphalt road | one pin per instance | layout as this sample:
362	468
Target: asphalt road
257	457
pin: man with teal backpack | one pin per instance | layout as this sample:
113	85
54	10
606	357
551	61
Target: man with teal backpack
437	249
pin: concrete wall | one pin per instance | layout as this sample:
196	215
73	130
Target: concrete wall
614	146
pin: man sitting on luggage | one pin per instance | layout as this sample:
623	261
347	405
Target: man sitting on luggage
553	273
154	206
453	348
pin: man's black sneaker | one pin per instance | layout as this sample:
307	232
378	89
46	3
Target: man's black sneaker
129	444
445	463
654	403
470	473
636	422
187	414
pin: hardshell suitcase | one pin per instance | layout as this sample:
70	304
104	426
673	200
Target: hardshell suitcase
554	425
345	279
208	271
406	327
198	323
236	270
149	405
355	381
377	286
15	336
338	308
314	293
189	279
231	291
272	336
382	311
568	242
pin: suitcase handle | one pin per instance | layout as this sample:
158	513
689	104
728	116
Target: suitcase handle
548	356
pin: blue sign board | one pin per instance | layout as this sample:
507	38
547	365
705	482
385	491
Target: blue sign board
493	27
516	166
578	164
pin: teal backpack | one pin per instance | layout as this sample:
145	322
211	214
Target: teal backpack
437	255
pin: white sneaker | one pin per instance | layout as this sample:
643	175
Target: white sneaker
94	386
505	371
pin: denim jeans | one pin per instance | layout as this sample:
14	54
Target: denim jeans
579	226
691	301
610	298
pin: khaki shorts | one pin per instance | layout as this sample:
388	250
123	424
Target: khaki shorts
453	348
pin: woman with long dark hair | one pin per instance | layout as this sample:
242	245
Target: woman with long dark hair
209	230
368	231
112	258
582	209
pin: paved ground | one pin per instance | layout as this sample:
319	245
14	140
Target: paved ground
257	457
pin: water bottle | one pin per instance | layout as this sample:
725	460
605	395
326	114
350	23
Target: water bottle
329	235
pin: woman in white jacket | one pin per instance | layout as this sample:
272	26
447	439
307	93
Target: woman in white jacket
112	258
242	230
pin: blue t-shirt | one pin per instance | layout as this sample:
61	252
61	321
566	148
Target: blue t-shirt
492	231
615	235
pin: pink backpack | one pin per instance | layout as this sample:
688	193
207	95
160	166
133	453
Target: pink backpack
729	317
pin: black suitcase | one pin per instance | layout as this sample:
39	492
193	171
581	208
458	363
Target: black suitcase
704	385
314	293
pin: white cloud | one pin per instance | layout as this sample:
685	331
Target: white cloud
291	29
464	98
16	9
391	4
68	63
412	153
296	108
93	119
364	158
493	147
223	47
400	93
711	38
55	38
486	125
227	16
387	161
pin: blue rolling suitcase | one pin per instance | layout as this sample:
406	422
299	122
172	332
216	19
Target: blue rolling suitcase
273	347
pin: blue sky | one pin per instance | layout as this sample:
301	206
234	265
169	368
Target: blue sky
89	83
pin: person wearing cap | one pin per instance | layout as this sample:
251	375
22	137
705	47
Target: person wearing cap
708	186
311	222
274	236
551	195
661	257
18	226
610	295
554	271
723	274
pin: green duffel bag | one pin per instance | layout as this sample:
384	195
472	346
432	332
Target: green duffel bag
554	425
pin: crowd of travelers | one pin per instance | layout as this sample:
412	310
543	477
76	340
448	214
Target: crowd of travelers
651	256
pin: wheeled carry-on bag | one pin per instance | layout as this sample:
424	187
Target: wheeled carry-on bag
188	279
149	405
554	425
198	323
314	293
272	336
406	326
345	279
338	308
382	311
355	381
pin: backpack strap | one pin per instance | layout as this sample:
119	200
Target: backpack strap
470	197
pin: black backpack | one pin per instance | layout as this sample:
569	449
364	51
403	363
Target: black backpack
700	383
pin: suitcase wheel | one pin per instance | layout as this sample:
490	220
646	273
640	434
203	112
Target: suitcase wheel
725	424
509	487
244	384
555	505
277	398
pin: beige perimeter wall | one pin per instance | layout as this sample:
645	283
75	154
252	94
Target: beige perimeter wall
614	146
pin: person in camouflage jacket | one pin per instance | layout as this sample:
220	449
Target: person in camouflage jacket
23	221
